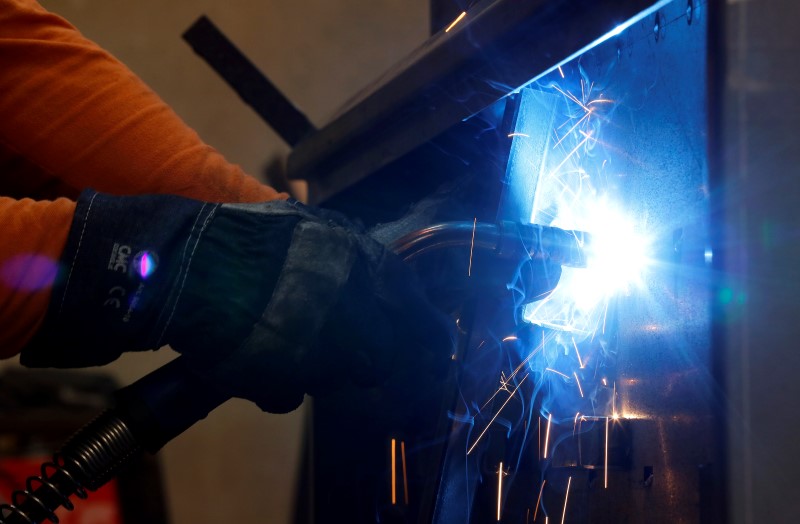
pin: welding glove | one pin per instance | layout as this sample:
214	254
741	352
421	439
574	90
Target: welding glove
267	301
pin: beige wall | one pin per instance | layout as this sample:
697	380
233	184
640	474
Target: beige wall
240	464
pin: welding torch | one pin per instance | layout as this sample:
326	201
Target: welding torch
162	405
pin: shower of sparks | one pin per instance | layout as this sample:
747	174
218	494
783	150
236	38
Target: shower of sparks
578	382
539	500
574	150
405	474
547	434
499	489
528	358
394	472
504	381
496	415
605	465
578	353
557	372
472	246
566	498
457	20
572	97
568	196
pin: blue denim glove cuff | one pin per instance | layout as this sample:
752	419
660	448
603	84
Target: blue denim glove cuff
113	291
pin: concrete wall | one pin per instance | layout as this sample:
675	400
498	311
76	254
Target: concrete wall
240	465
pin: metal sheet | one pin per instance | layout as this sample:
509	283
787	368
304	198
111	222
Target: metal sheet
625	122
499	46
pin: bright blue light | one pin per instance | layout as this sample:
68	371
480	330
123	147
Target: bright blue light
617	30
617	258
709	255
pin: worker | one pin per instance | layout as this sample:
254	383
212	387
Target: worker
266	298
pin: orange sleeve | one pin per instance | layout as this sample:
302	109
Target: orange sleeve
86	119
32	236
82	119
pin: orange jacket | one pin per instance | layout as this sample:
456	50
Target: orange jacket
72	117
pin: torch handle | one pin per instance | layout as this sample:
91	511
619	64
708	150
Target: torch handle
165	403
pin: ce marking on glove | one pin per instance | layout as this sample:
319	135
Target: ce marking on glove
115	294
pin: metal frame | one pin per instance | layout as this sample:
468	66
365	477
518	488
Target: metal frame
499	46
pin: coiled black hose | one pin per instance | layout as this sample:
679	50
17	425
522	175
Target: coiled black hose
87	461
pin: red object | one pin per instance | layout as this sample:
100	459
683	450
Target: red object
102	506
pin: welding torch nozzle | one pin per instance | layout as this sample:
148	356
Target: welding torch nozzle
505	239
564	247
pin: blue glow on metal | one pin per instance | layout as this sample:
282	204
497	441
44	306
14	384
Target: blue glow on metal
611	142
611	34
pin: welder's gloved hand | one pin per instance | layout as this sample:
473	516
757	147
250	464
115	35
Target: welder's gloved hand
268	301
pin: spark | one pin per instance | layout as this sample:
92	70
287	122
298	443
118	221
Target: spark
575	423
605	466
578	353
504	381
527	359
472	246
605	382
503	387
566	498
405	474
571	97
614	400
584	117
457	20
561	71
524	135
577	381
574	150
499	489
547	434
600	100
510	338
394	472
496	415
539	500
557	372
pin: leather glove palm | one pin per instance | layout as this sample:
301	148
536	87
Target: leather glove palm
269	301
